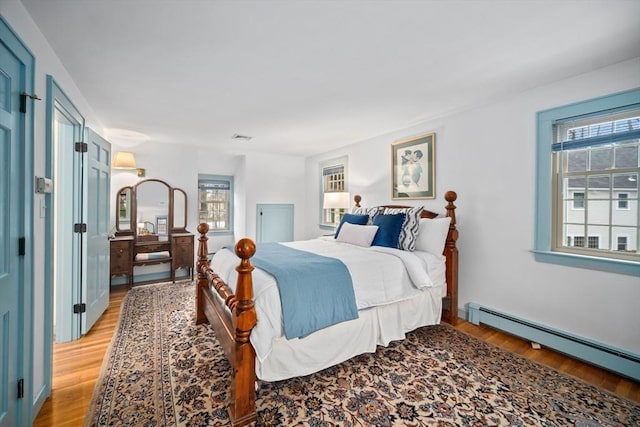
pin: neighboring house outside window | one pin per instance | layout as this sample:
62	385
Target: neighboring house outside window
623	200
588	171
578	200
215	203
333	175
622	243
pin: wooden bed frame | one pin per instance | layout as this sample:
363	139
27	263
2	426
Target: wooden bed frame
234	320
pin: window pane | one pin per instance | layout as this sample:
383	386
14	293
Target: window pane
598	186
576	161
597	237
601	159
598	211
624	239
626	216
626	156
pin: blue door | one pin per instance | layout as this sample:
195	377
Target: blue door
95	289
16	68
275	223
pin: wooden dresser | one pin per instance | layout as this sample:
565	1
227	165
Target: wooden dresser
151	220
124	250
121	253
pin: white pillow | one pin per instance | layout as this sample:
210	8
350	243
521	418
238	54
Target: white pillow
432	235
361	235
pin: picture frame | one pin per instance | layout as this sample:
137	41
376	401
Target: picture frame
413	168
162	225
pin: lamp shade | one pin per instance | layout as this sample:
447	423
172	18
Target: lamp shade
336	200
124	160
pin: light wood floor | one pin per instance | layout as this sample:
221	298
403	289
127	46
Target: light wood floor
76	367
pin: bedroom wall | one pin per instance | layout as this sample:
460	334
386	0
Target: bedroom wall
258	178
487	155
46	63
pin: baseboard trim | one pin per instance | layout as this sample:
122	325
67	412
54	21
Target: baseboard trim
603	355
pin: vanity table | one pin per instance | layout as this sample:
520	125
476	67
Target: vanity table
151	219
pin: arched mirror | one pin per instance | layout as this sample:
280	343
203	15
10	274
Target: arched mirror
152	205
179	210
124	211
151	210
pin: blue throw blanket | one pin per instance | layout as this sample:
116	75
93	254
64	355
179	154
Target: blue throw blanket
315	291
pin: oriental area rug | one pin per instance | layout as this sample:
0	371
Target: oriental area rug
163	370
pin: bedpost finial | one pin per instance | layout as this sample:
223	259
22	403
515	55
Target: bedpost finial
357	199
450	196
203	228
245	248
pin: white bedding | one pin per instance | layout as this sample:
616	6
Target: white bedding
384	279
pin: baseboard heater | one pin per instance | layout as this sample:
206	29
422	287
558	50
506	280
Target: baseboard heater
614	359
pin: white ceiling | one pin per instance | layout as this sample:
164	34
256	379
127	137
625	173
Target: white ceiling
304	77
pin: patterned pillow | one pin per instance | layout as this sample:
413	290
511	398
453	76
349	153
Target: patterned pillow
410	228
372	212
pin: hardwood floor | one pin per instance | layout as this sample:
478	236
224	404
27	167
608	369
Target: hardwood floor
77	365
76	368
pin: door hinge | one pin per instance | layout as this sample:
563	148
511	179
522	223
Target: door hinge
80	228
21	388
79	308
81	147
23	101
22	245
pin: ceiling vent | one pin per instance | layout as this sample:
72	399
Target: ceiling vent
238	137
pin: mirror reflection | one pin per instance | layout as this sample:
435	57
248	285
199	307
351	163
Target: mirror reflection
123	206
179	209
152	205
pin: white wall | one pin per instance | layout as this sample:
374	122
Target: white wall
487	155
46	63
258	178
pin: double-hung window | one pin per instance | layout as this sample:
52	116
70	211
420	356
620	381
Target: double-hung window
591	153
334	191
215	202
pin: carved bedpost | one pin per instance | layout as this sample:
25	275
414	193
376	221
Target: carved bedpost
242	407
451	253
357	198
203	261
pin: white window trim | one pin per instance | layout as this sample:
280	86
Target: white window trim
338	161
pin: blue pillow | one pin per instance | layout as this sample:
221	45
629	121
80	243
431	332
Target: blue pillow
352	219
389	228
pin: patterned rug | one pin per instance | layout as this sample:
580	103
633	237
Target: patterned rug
163	370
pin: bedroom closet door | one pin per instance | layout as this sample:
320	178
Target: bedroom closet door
16	113
95	288
274	223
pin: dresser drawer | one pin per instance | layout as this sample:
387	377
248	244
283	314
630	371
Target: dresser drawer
120	257
182	252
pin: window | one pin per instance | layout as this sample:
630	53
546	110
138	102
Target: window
215	202
622	243
588	170
623	201
333	180
578	200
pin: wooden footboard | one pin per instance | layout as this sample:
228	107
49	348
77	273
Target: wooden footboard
233	316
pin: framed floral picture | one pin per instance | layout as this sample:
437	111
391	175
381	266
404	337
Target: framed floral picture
413	168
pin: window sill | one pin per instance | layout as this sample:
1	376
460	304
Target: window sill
220	233
594	263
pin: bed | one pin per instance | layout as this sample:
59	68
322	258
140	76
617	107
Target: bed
253	322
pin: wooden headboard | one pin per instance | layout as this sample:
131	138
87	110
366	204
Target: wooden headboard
450	301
